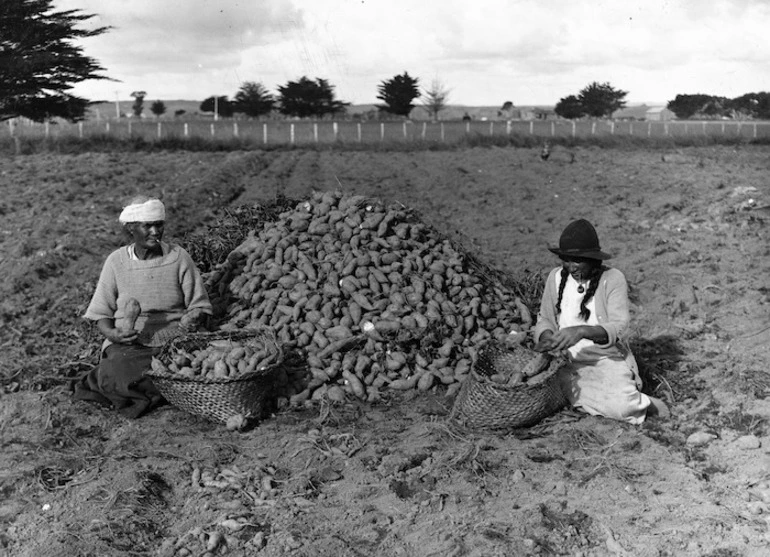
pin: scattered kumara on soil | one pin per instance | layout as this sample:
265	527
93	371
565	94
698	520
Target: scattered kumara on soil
425	255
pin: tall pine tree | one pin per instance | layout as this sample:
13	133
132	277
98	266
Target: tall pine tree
39	63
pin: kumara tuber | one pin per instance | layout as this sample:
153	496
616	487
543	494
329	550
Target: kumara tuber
132	310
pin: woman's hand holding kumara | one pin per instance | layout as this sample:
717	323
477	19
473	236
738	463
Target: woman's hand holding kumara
116	335
560	340
192	320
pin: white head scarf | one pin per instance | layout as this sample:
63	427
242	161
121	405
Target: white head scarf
151	210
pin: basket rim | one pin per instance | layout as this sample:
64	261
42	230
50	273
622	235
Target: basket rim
553	368
240	334
214	381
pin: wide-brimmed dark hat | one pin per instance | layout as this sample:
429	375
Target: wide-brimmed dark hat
579	239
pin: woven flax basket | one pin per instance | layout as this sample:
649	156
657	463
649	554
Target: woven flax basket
484	404
218	399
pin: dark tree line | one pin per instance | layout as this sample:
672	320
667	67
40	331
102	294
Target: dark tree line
597	100
303	98
748	106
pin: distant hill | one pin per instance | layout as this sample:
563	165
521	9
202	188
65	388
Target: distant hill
108	109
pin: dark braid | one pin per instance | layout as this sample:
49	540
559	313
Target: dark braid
564	275
593	284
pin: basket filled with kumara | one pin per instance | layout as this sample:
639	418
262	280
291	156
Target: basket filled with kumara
509	386
223	376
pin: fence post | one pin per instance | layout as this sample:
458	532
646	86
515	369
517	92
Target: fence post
336	129
630	128
382	131
404	129
425	129
467	127
159	130
649	129
315	132
704	127
107	128
553	128
665	129
442	132
573	128
686	129
291	133
723	128
212	130
264	133
593	128
531	127
612	127
358	130
235	129
739	129
755	130
80	130
48	129
10	127
507	127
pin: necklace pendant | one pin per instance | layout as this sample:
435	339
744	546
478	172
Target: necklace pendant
581	289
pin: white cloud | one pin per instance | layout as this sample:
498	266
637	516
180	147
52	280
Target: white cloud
486	51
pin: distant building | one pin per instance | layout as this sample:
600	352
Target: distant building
631	113
644	112
659	114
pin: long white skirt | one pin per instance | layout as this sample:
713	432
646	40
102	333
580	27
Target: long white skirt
607	387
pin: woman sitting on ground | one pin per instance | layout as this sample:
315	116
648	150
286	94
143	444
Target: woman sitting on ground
162	283
584	314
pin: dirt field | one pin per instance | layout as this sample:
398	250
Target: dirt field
689	229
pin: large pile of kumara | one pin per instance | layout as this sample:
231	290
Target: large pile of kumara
369	295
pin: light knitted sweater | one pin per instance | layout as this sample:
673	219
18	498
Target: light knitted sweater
165	287
612	313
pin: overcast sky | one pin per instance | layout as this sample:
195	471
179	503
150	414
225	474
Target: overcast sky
485	52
